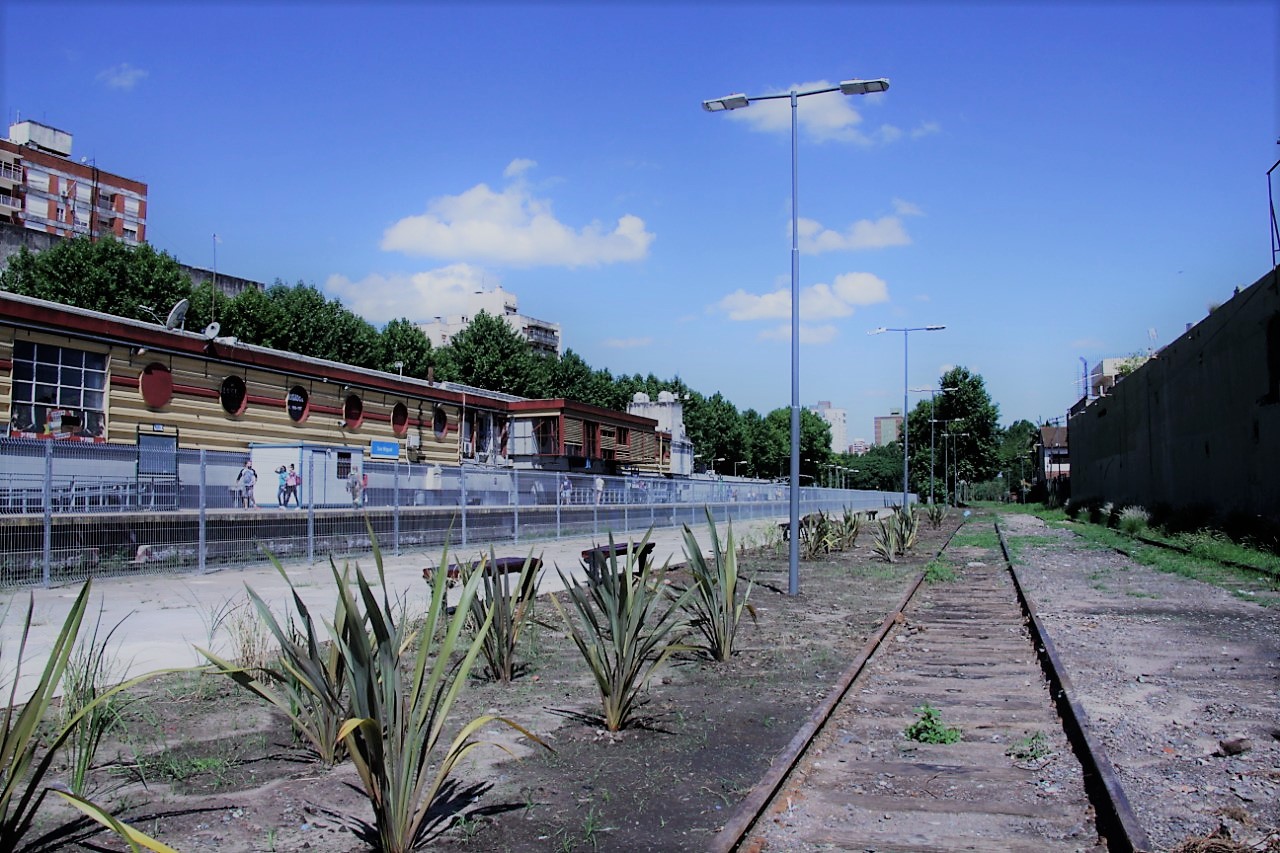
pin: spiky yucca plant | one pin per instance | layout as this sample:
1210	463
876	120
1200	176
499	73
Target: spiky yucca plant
308	681
886	542
508	607
850	528
621	629
401	699
715	605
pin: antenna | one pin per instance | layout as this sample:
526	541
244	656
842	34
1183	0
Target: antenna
178	316
211	331
1151	333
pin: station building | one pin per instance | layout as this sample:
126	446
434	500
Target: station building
69	374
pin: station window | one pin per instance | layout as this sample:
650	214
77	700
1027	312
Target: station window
233	395
439	423
400	419
353	411
58	390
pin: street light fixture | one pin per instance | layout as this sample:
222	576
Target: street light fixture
737	101
736	464
906	332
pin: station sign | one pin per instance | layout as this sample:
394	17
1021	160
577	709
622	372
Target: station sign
385	450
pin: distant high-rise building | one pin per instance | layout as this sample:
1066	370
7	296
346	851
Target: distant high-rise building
858	446
837	419
543	336
43	189
889	427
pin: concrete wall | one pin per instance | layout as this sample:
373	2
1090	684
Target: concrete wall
1199	424
14	237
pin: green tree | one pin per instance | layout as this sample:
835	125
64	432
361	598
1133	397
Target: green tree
719	429
104	275
307	323
879	469
401	340
490	354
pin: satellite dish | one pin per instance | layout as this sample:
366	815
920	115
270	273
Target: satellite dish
211	331
178	315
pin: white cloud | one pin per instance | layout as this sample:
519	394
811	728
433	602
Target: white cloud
514	228
905	208
928	128
838	299
419	296
627	343
122	76
863	234
518	167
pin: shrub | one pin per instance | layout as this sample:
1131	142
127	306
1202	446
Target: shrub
929	728
621	630
714	605
507	610
1133	520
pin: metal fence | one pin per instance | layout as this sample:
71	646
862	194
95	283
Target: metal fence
70	511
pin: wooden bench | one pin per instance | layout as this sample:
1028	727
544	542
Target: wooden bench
597	559
494	568
785	526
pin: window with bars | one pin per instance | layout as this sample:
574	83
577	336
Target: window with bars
58	390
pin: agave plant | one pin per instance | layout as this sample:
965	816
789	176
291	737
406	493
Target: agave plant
507	609
886	542
401	699
937	514
27	753
621	630
308	682
715	605
850	527
908	525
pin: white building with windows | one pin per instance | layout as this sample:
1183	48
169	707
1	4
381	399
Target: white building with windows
837	419
542	335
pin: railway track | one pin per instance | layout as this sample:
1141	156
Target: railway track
968	654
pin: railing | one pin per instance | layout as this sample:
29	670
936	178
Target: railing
69	511
13	173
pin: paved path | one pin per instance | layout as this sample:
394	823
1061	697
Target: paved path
166	616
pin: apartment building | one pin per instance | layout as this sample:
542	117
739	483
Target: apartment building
888	427
43	189
837	419
542	335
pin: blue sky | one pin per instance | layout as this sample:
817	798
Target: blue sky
1051	181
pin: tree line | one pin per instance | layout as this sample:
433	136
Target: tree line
138	282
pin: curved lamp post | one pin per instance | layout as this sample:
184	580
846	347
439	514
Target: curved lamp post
737	101
905	334
933	410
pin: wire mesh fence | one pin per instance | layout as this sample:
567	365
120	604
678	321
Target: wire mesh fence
70	511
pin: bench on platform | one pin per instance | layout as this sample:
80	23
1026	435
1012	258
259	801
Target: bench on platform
494	568
598	558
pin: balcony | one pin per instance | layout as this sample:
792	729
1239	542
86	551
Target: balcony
9	202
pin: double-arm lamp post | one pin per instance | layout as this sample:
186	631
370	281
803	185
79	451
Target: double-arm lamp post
906	333
737	101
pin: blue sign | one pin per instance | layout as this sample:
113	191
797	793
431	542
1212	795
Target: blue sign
385	450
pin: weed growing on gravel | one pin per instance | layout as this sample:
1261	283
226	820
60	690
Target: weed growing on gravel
90	671
1133	520
982	537
929	727
1032	747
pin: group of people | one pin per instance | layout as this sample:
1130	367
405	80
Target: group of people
290	480
247	480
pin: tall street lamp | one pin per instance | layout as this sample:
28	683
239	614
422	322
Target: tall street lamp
737	101
933	410
736	464
906	333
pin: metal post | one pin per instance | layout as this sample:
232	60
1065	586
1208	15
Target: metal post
203	533
905	413
46	554
793	557
395	518
311	506
515	496
462	490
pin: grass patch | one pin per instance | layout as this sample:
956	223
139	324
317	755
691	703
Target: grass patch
938	571
979	538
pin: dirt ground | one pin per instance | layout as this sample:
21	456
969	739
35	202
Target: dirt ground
218	772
